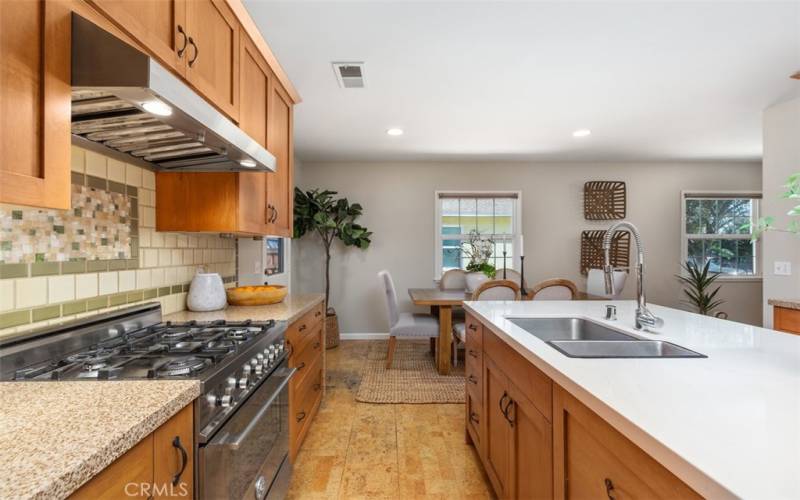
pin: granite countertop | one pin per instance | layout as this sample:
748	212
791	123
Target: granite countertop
292	307
55	436
786	303
727	425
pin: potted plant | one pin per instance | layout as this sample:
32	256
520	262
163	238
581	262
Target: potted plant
478	250
332	219
768	223
698	284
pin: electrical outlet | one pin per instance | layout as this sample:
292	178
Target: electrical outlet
782	268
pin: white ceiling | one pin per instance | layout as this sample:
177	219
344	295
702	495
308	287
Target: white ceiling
491	80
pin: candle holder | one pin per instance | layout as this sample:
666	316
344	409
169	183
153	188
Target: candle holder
522	275
504	264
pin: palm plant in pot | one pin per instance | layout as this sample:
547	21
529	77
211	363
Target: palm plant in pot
320	212
698	282
478	250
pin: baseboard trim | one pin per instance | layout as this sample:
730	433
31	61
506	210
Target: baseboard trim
363	336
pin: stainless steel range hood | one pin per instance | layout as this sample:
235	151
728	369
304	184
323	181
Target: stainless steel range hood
126	103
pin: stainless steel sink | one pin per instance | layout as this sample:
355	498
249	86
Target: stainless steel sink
568	329
622	349
581	338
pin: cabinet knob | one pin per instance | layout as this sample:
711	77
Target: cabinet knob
473	327
473	353
473	379
300	416
473	417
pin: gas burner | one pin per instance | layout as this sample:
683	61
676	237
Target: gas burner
182	366
170	334
219	345
237	334
92	357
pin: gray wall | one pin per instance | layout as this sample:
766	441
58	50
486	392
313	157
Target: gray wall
781	159
398	200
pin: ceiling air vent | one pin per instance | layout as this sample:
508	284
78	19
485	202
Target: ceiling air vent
350	75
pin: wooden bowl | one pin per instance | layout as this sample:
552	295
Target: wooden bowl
256	295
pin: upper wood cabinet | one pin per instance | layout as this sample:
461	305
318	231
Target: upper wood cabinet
280	185
35	104
159	25
212	59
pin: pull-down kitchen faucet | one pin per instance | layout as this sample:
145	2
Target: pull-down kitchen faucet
644	318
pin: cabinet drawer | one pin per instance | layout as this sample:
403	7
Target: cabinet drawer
474	414
474	333
472	375
308	394
787	320
305	325
533	382
305	359
134	467
599	462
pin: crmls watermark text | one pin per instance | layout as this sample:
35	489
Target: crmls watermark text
156	490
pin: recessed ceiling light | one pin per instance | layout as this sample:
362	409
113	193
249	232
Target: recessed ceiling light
157	108
582	132
247	163
395	131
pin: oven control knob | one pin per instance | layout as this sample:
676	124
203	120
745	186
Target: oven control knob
246	370
280	347
259	370
272	347
243	383
254	362
231	382
260	358
271	358
224	401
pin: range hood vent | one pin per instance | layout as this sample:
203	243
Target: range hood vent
126	104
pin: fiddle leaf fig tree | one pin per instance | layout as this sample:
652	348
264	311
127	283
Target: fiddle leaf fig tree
331	218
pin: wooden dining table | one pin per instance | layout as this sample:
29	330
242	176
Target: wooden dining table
442	303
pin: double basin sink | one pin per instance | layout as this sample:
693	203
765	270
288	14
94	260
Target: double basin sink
581	338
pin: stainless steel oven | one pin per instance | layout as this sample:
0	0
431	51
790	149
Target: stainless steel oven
247	458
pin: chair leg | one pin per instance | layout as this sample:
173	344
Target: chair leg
454	349
433	346
390	354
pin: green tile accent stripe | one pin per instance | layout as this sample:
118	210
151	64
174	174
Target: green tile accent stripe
96	182
15	318
13	271
177	288
116	187
118	299
133	263
44	313
44	268
135	297
116	264
97	303
164	291
94	266
75	307
73	267
151	294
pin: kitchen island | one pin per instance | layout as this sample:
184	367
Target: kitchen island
726	426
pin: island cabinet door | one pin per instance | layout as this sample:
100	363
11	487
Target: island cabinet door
591	459
497	431
531	449
173	468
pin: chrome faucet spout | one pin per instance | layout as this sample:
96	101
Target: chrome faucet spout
644	318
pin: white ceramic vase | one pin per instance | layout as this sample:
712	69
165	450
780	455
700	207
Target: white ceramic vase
474	280
206	293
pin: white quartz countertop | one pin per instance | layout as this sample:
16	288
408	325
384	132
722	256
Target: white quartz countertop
728	425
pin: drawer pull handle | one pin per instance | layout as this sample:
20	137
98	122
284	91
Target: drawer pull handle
473	327
196	52
503	398
176	443
473	379
302	328
318	314
507	412
473	353
316	345
301	416
474	417
610	489
301	366
317	387
185	41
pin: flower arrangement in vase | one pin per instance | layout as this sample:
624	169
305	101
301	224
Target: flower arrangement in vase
478	250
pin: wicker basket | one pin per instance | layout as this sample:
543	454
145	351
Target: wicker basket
331	329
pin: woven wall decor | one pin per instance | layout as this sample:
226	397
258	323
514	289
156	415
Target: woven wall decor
604	200
592	250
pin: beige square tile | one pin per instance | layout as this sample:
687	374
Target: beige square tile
133	175
181	241
170	276
170	240
116	170
31	292
85	285
143	278
188	256
157	239
177	257
108	283
186	274
147	197
77	159
145	235
148	179
164	257
148	217
96	165
208	256
60	288
198	256
6	295
127	281
192	241
150	256
157	277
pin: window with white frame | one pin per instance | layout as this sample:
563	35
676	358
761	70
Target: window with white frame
717	229
493	214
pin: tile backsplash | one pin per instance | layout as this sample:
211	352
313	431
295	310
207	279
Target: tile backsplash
102	254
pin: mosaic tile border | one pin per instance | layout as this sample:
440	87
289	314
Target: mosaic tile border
49	312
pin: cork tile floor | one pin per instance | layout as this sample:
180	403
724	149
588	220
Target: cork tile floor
359	450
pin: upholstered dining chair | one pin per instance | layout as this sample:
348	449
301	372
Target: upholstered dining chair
510	275
402	324
489	290
454	279
554	289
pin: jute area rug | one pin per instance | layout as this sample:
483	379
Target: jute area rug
411	379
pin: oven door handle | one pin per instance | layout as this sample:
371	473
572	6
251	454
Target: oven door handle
238	439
